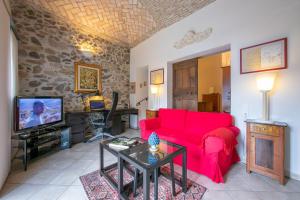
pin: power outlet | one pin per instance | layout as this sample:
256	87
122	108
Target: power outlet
245	116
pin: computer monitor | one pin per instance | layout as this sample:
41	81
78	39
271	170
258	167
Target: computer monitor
97	104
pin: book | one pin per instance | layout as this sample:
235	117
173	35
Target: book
122	143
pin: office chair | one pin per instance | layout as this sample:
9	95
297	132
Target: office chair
104	124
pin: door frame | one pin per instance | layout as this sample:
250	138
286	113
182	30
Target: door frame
170	75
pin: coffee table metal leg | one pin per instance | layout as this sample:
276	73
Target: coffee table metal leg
146	184
101	158
172	177
156	183
120	170
184	188
135	181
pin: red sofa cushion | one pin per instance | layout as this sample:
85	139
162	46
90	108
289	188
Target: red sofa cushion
199	123
172	119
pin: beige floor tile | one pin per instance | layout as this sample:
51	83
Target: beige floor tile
66	177
20	176
216	195
74	193
243	195
290	186
48	192
275	196
19	191
82	164
44	176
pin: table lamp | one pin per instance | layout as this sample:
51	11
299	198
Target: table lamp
265	85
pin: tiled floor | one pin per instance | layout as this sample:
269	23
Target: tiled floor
56	176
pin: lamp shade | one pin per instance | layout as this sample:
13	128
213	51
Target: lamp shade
154	89
265	83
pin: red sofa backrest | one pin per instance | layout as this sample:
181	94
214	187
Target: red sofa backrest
202	122
172	118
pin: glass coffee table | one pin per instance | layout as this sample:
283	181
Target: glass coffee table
104	170
149	163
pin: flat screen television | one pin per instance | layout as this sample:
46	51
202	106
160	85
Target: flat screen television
34	112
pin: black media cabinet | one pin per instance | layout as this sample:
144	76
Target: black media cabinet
40	141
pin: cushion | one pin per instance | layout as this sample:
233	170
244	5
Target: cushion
172	118
198	123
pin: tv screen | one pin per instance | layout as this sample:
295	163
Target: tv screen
32	112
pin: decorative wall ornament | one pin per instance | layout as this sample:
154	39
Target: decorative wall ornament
192	37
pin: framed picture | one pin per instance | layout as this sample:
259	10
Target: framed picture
88	78
264	57
157	77
132	88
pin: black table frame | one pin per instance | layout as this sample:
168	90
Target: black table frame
147	170
104	170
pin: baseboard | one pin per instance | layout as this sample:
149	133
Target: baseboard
292	175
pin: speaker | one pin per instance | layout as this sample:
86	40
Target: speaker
66	140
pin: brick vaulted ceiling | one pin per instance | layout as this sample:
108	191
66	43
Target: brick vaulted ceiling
125	22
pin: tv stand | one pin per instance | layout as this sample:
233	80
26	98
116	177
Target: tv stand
40	141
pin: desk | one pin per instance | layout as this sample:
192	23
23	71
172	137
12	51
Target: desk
78	120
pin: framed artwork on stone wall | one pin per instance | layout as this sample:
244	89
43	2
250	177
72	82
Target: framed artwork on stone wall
264	57
88	77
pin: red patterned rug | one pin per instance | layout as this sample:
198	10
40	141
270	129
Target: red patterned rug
97	187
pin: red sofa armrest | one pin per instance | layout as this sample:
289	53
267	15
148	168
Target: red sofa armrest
149	124
213	145
220	139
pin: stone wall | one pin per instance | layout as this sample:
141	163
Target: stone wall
48	49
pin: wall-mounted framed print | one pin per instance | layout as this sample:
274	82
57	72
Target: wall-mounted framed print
264	57
157	77
88	77
132	88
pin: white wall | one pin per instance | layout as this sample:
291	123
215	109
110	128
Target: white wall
5	92
239	23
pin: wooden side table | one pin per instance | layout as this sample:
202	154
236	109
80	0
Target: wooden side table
265	148
151	114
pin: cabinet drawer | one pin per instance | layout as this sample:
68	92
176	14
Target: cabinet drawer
265	129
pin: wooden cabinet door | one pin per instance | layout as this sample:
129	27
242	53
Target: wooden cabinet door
226	96
264	155
185	85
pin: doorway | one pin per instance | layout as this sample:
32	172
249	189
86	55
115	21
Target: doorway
142	91
203	83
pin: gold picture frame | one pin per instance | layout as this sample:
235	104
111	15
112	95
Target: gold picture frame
88	77
157	77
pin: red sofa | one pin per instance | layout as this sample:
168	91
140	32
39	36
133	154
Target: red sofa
210	139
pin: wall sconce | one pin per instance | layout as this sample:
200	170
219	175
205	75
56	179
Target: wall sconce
226	59
86	49
265	85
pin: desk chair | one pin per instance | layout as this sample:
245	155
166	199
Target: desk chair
104	124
